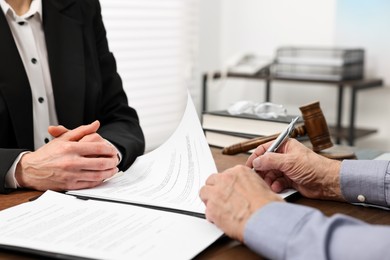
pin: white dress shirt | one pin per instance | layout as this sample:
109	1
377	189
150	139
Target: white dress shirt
29	37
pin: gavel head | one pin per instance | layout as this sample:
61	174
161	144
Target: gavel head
316	126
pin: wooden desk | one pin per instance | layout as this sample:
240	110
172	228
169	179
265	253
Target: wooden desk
349	133
225	248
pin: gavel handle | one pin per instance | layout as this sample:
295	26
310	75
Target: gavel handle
253	143
248	145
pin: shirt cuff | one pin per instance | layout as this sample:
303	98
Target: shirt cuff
269	229
366	182
119	154
10	180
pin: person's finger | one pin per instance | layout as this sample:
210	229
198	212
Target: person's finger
203	194
280	184
90	149
84	164
271	176
81	131
261	174
269	179
96	176
211	180
94	137
57	131
260	150
269	161
67	177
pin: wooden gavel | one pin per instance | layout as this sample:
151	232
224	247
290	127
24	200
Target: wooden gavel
315	127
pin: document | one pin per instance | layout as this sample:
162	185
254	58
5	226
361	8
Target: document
169	177
92	224
63	226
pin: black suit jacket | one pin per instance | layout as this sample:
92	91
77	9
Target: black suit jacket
85	82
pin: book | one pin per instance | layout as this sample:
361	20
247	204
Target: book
153	210
222	139
244	123
383	156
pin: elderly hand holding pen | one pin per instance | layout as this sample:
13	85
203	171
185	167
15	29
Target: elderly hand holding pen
242	201
232	196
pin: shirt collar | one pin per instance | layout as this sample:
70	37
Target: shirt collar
4	6
35	8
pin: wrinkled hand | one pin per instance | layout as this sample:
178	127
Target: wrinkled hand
233	196
297	166
75	159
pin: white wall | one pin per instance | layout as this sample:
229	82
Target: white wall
155	45
261	26
365	24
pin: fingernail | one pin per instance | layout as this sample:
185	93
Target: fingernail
256	162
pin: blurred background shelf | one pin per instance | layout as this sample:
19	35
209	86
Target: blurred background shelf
349	134
343	133
332	64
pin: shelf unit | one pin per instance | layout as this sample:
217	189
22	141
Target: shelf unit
349	133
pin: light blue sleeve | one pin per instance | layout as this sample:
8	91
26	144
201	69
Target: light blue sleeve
366	182
286	231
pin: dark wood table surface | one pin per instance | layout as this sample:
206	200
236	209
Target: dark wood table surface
225	248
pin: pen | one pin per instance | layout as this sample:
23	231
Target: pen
283	136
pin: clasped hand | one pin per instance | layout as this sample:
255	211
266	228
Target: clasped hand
75	159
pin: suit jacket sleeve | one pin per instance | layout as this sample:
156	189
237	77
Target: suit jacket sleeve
119	122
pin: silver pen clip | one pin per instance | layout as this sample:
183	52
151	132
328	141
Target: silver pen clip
283	136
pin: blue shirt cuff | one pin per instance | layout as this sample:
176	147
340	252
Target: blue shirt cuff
365	182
